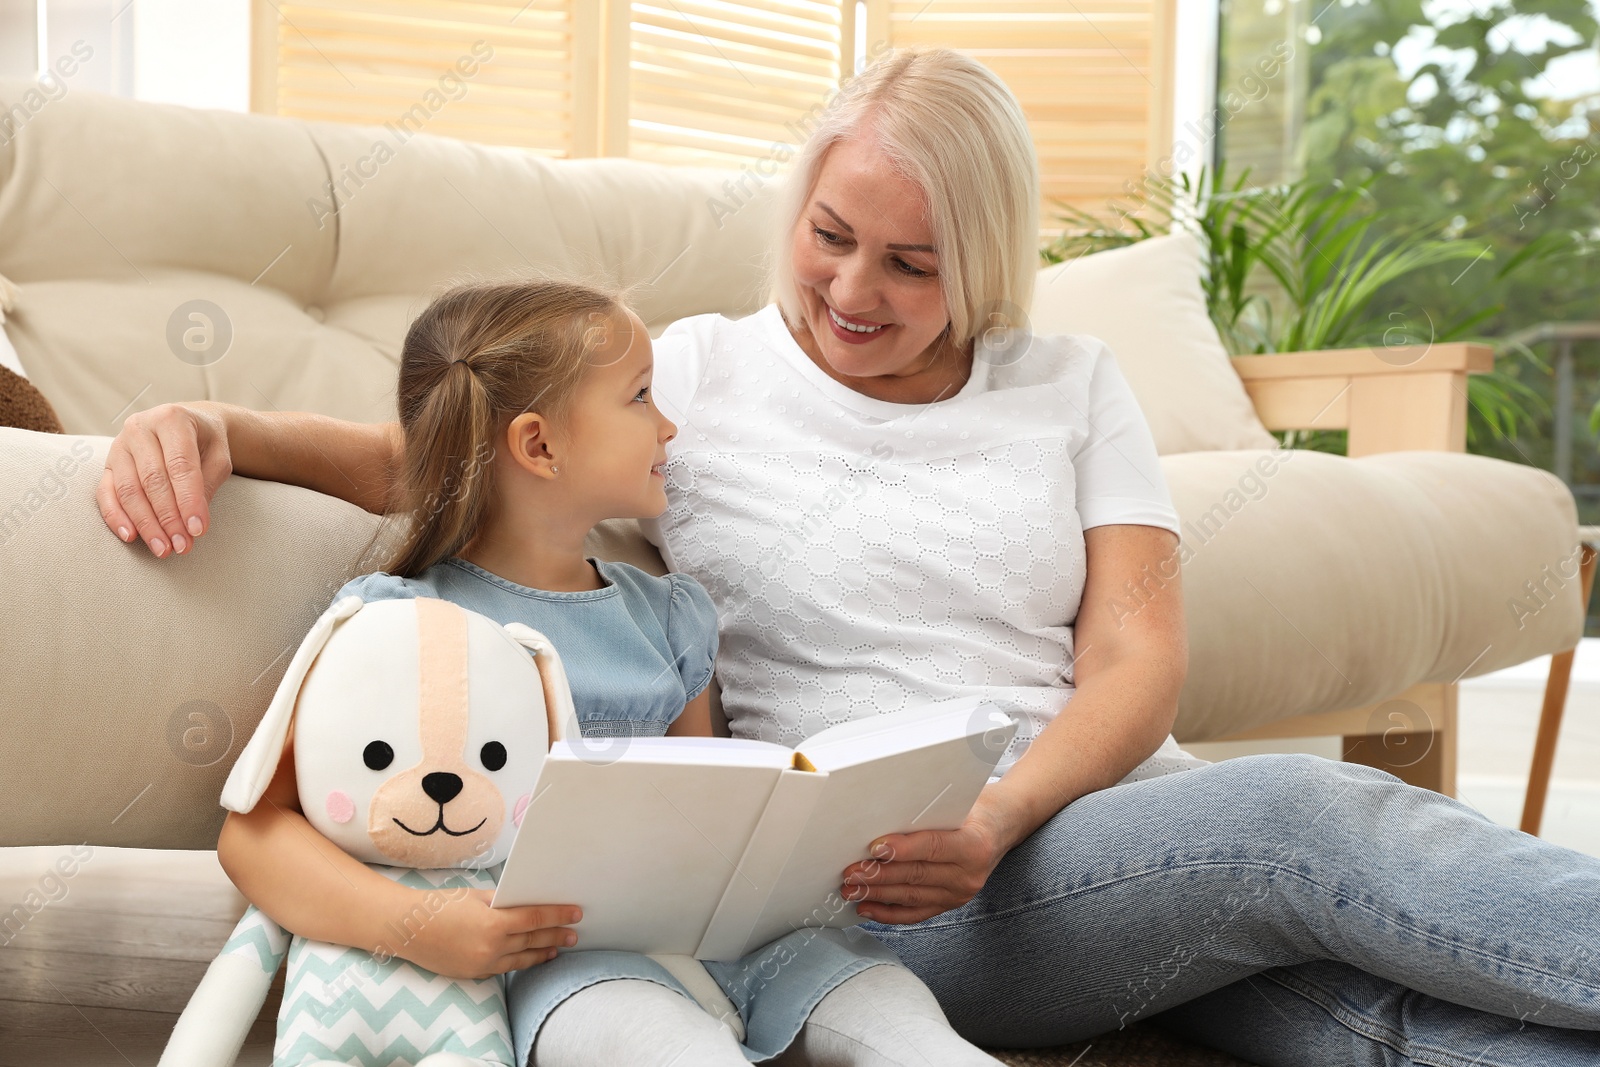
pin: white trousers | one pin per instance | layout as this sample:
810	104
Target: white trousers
882	1017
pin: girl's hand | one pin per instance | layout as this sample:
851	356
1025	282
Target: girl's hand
161	472
919	875
454	932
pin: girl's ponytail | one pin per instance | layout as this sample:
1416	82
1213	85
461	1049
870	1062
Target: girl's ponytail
474	359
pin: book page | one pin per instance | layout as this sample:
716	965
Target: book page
879	736
645	844
928	788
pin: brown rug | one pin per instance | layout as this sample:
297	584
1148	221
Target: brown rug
1137	1046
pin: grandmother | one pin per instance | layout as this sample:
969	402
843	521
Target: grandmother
894	494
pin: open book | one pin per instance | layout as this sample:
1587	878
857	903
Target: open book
713	847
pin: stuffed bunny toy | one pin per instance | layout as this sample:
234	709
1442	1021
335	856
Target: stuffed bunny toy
419	728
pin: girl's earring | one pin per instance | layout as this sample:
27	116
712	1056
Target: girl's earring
555	470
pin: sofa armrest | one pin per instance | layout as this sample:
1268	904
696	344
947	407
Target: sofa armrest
1405	398
1390	399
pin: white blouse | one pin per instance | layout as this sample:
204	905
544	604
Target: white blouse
868	556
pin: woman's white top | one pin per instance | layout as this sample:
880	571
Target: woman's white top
867	556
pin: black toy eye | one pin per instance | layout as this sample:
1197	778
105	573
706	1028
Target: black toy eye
378	755
493	755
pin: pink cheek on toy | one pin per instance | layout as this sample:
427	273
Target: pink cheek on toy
520	809
341	809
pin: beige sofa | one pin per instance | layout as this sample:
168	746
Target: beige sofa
1324	593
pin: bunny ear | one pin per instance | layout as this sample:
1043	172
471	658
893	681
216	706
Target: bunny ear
557	693
253	771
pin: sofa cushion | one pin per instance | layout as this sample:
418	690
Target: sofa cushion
1146	302
98	367
443	210
211	191
138	680
1313	582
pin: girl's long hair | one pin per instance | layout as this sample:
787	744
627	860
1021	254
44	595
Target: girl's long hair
477	357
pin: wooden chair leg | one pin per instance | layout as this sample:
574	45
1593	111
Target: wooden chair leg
1555	704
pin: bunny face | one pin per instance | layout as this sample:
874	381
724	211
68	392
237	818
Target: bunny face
419	729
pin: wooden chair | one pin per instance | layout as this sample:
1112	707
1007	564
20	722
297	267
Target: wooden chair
1555	701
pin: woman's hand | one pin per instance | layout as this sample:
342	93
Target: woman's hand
922	874
457	934
160	475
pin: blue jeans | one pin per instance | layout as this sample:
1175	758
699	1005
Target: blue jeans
1288	909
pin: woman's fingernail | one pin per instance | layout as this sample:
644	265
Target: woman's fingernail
179	544
194	525
122	532
570	939
158	546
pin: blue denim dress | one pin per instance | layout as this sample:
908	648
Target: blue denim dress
635	652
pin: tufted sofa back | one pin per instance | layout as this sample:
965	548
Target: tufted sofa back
312	246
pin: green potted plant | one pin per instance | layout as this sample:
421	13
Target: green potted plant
1308	266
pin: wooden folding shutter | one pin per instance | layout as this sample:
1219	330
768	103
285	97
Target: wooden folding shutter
719	83
380	61
1094	79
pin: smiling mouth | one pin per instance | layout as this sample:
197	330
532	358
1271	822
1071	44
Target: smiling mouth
438	826
852	327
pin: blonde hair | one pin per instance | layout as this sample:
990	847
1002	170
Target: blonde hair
950	125
477	357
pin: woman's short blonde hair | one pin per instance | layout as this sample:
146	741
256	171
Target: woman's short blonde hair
950	125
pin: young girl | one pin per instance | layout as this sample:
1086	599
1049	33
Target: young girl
527	419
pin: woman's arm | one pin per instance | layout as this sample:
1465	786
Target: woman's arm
310	886
166	463
1131	656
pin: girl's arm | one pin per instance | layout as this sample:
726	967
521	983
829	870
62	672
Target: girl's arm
696	718
311	887
166	463
1128	668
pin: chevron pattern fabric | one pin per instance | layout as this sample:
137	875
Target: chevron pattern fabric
374	1009
258	938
